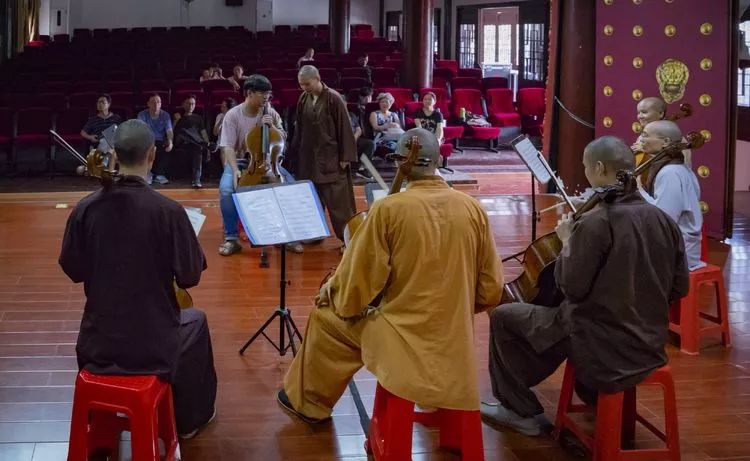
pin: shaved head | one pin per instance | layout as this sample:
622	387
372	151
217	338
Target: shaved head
429	151
309	72
133	139
664	129
656	103
611	151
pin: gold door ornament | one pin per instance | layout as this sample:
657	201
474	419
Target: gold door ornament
704	207
637	95
608	60
706	28
670	30
705	100
637	62
706	64
672	76
706	135
607	2
607	122
607	90
703	171
637	31
637	127
609	30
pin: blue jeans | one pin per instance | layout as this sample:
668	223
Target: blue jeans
228	211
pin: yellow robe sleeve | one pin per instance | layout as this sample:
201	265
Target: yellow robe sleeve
490	280
364	269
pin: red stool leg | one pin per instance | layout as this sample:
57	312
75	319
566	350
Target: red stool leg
628	418
390	437
167	426
722	307
566	399
670	413
471	444
689	320
608	427
144	431
105	428
79	426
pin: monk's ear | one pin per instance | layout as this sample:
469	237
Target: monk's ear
601	168
151	155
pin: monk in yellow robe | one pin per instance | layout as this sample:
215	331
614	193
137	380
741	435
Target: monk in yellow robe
650	110
431	253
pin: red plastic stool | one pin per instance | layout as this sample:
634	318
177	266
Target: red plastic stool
685	315
393	418
145	400
615	420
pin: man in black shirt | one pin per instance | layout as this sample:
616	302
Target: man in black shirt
103	119
191	138
129	245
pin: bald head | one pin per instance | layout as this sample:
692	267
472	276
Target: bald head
651	109
308	72
664	129
604	157
429	151
133	140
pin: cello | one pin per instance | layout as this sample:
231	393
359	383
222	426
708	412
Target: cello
266	146
536	284
101	165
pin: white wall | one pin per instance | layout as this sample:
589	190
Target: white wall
149	13
109	14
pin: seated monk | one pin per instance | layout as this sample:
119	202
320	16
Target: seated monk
612	324
674	188
129	244
419	342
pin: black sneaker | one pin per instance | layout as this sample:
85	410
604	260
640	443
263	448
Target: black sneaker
283	400
363	173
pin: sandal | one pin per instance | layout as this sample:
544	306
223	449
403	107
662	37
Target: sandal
229	247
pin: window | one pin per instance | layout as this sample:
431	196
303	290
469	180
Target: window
393	26
436	32
467	45
533	54
743	75
498	43
392	33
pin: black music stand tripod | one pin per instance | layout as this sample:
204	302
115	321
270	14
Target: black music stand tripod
287	327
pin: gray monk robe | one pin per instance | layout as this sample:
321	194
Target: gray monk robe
619	272
128	245
322	139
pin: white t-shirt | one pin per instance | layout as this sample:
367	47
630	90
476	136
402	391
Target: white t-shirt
236	125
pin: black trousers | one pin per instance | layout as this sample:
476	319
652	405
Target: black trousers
194	386
163	159
366	146
516	366
338	198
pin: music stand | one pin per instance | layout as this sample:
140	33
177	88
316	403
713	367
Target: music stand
277	214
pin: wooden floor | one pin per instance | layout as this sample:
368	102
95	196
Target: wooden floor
40	311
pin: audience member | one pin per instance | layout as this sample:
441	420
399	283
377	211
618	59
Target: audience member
161	125
238	77
429	118
308	56
98	123
385	124
191	138
225	106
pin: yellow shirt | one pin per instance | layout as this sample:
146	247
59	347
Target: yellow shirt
430	250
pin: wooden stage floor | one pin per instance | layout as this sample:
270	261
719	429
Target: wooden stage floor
40	312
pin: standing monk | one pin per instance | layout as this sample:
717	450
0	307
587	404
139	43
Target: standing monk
324	146
419	341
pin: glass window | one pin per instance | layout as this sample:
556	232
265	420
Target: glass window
467	45
533	56
743	75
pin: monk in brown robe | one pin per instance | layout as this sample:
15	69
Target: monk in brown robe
419	341
323	146
612	324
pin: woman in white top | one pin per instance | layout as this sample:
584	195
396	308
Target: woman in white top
385	124
225	106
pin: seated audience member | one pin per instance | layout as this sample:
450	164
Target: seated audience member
385	124
419	341
101	121
129	245
191	138
674	188
238	77
161	125
612	323
429	118
308	56
225	106
365	146
365	96
362	62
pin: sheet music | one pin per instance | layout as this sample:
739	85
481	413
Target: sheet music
532	159
196	218
281	213
300	211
